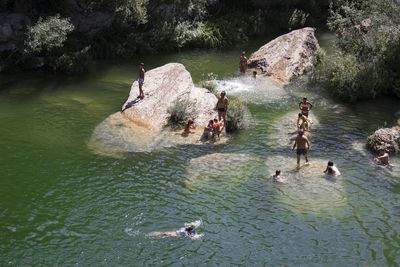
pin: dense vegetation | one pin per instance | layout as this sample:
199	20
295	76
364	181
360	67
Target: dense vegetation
367	61
63	35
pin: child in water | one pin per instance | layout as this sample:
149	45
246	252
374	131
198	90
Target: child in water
331	169
277	178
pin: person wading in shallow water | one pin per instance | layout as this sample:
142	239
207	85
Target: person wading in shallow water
305	106
302	144
243	62
141	80
222	108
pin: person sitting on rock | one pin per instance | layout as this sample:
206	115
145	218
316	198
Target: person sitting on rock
331	169
383	158
243	63
189	125
208	131
277	178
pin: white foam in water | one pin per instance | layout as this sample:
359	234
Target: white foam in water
258	91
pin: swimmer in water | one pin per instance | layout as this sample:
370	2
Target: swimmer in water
277	178
383	158
331	169
189	230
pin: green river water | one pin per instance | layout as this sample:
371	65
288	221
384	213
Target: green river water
61	204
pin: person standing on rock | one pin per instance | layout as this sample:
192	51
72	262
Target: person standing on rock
222	107
243	62
302	144
141	80
305	106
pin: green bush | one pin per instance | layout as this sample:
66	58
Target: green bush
210	83
180	112
237	115
47	35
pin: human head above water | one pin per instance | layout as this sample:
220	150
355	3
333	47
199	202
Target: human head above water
278	172
142	64
330	163
304	99
243	52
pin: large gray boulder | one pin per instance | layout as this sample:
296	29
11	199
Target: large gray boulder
286	57
142	124
385	138
12	30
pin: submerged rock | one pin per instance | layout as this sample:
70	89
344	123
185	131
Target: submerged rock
288	56
385	138
141	125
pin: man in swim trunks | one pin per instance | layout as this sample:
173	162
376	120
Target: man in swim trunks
243	62
222	107
141	80
302	144
305	106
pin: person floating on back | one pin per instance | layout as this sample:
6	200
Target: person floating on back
222	107
331	169
141	80
243	63
302	144
277	178
305	106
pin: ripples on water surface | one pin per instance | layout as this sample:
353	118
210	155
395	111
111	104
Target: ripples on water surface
62	205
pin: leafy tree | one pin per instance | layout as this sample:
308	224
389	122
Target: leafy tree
48	34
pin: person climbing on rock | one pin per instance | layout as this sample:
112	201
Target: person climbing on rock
141	80
243	63
305	106
222	107
302	144
331	169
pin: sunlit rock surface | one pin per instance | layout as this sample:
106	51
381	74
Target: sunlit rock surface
162	87
141	126
286	57
385	138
